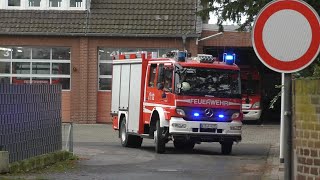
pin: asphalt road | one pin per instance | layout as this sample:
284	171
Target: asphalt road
104	157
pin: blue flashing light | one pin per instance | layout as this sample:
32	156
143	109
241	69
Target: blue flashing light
196	114
182	56
221	116
229	57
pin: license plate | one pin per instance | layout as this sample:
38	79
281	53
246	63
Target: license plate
208	126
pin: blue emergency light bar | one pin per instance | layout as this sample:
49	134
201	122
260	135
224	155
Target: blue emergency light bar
182	56
229	58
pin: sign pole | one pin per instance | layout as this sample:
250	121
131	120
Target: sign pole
282	140
288	126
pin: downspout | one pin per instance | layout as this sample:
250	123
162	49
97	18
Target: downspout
184	39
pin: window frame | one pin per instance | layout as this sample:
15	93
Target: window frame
22	5
104	76
29	75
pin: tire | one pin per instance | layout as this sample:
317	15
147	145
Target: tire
159	139
226	148
136	141
126	139
183	145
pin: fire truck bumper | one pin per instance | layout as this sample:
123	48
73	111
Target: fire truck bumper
251	114
205	131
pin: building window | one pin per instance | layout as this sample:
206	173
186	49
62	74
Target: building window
5	67
44	4
21	53
5	80
36	65
14	3
55	3
60	53
41	53
76	3
34	3
105	67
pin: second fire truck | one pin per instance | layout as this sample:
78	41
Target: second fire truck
185	100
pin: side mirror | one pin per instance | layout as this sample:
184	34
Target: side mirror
160	86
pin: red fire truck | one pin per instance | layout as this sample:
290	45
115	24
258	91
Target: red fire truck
251	93
181	99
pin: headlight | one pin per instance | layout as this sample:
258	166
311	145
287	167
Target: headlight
179	125
256	105
180	112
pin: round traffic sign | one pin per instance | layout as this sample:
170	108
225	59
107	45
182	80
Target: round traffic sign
286	35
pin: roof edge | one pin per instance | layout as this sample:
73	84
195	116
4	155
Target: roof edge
99	34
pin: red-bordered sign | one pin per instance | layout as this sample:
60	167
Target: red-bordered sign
269	58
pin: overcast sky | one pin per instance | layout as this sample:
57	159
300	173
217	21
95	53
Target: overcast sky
213	20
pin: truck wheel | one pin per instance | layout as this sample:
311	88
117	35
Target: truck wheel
159	139
126	139
226	147
183	145
136	141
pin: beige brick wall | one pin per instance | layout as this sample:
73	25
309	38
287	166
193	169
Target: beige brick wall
306	102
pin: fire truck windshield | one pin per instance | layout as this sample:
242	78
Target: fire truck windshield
209	82
250	87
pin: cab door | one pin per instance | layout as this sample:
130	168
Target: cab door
165	84
151	88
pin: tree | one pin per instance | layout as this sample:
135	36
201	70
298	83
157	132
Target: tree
235	10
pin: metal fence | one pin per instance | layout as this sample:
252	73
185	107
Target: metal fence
30	120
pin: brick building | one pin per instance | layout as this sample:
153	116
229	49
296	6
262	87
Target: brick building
70	42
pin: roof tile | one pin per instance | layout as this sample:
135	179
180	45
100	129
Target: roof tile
168	17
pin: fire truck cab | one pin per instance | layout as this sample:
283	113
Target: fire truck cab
186	100
251	93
